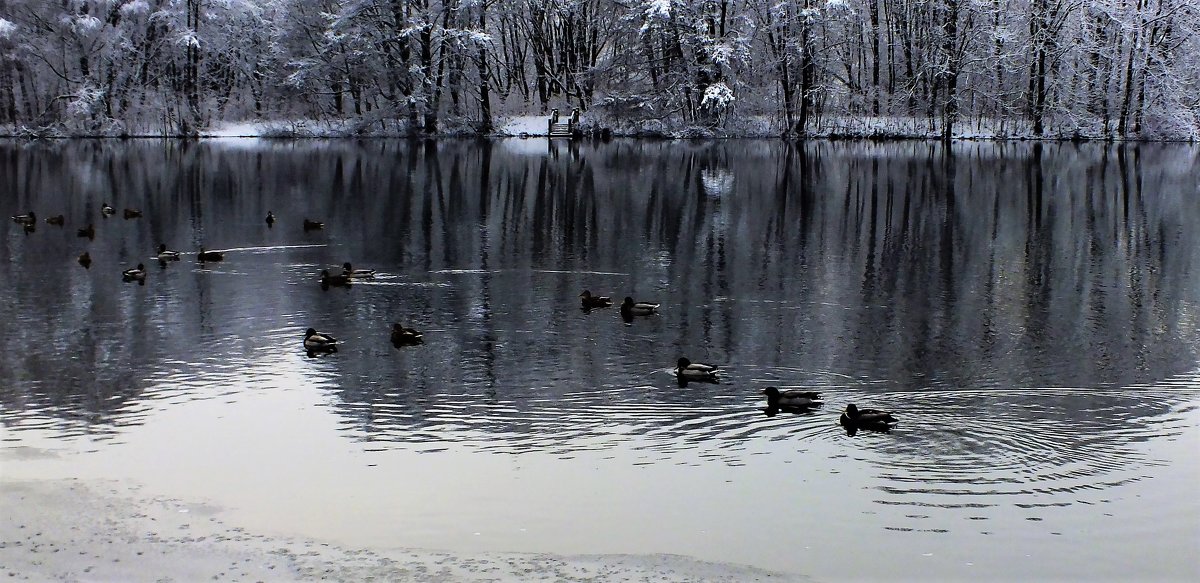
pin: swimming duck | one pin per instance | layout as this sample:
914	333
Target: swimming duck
349	271
589	301
165	255
632	308
85	260
695	371
26	219
402	335
339	280
57	220
313	225
210	255
866	418
792	399
132	213
106	210
270	219
137	274
316	342
89	232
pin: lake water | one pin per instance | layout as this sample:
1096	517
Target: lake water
1031	313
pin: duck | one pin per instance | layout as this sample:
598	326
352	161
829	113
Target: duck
210	255
866	418
402	335
589	301
88	231
57	220
25	219
695	371
313	225
349	271
339	280
317	342
792	399
270	219
632	308
165	255
106	210
137	274
85	260
132	213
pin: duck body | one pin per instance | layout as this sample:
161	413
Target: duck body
588	301
270	219
25	219
132	213
209	255
695	371
313	225
867	418
317	342
89	232
632	308
792	399
57	220
404	336
166	255
349	271
137	274
106	210
338	280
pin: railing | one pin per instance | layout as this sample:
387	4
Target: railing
562	129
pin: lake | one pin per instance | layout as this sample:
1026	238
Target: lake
1029	312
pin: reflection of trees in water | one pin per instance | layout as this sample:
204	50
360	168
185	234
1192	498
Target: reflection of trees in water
992	265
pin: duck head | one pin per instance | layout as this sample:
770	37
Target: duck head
310	332
683	363
852	411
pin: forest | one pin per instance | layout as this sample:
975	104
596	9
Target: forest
1053	69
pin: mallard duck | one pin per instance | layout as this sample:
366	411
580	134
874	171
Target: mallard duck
57	220
209	255
695	371
165	255
89	232
85	260
313	225
402	335
316	342
339	280
792	399
132	213
106	210
26	219
632	308
589	301
270	219
349	271
866	418
137	274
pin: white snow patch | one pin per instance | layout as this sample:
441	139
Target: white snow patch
531	125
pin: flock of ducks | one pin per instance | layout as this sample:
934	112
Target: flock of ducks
314	342
791	400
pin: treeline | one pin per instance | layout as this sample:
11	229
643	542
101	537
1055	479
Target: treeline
1035	68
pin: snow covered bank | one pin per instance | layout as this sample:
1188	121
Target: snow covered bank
73	530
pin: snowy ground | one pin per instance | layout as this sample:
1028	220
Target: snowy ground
72	530
530	125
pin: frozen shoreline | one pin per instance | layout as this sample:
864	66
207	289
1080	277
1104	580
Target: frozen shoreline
75	530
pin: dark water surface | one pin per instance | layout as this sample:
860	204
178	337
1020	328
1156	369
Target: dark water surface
1029	312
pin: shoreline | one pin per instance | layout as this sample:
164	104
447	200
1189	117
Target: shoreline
74	530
